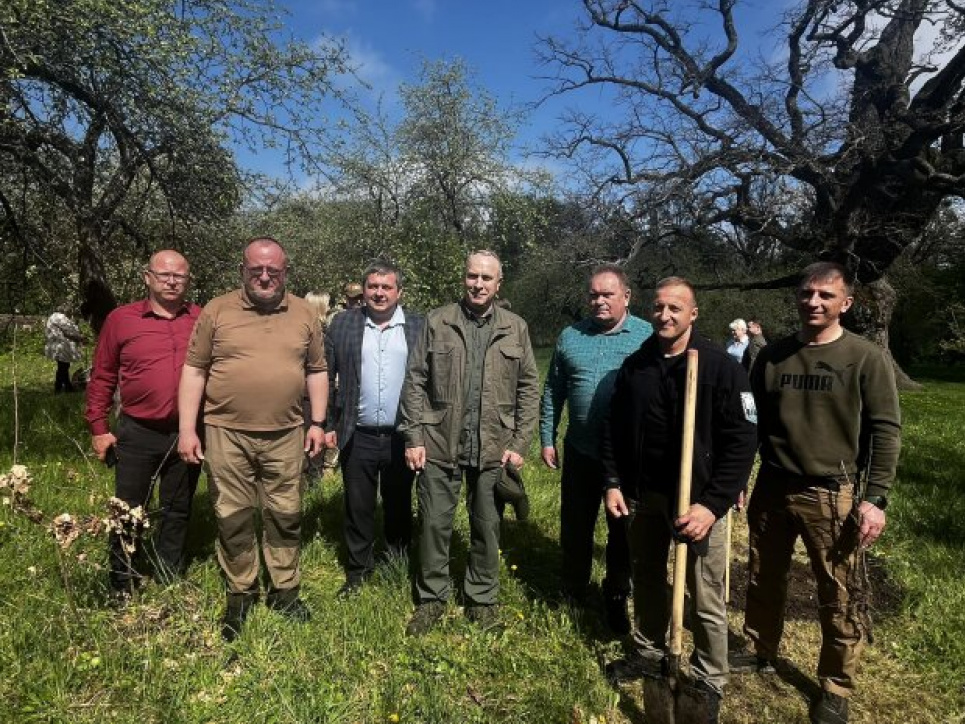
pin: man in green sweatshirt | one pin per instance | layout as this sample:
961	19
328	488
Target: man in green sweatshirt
828	415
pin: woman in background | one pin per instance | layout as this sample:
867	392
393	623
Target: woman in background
316	467
63	340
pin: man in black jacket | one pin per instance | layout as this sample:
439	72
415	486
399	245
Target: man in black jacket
367	348
640	450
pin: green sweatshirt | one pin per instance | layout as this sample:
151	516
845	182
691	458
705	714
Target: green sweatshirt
828	408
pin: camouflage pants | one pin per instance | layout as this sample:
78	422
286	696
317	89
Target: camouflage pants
246	470
780	510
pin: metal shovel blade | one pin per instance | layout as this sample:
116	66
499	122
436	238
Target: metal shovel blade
692	706
669	700
658	698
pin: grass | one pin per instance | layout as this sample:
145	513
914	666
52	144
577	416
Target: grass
65	656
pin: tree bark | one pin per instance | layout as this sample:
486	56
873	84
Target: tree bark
95	292
877	300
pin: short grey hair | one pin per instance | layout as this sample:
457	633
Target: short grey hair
491	254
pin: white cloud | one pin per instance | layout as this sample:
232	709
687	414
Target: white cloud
371	67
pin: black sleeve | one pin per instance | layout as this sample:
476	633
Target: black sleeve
734	439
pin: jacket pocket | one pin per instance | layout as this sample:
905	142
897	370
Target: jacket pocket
507	416
508	359
440	373
435	432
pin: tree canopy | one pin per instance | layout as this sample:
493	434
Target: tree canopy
118	115
846	144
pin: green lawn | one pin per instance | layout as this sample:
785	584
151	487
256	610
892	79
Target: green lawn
66	657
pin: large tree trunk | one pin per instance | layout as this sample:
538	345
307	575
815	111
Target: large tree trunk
95	292
877	302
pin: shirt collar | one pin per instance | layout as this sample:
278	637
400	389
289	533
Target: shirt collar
479	319
146	310
398	317
620	326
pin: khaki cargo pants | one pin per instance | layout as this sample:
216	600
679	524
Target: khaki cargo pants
781	509
650	536
246	470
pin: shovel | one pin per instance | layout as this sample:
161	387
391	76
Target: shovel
729	534
668	699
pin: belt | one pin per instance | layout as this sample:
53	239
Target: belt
831	482
375	430
162	426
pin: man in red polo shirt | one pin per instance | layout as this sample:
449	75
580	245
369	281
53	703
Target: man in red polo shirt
141	349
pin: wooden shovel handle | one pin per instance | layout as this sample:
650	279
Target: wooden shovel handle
683	505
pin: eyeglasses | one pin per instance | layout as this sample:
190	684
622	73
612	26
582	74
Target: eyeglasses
165	277
256	272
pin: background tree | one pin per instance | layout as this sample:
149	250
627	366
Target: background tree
845	147
436	183
120	113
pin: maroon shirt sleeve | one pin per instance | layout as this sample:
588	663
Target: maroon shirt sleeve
104	376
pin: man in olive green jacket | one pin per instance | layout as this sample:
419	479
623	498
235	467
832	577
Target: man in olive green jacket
469	406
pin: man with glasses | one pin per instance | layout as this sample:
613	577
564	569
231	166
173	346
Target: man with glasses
253	353
140	351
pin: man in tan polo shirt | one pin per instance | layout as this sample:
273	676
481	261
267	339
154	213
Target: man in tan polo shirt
252	353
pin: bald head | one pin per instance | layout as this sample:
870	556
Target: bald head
167	256
265	245
166	277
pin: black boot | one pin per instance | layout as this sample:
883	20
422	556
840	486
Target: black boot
289	605
829	709
237	609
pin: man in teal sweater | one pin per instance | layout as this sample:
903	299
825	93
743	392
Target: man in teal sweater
828	415
581	374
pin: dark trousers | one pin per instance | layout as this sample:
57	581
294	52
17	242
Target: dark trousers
140	452
62	378
582	494
372	463
439	490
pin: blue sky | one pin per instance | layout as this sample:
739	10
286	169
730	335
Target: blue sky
390	39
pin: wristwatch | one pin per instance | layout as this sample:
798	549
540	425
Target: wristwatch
317	423
879	501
